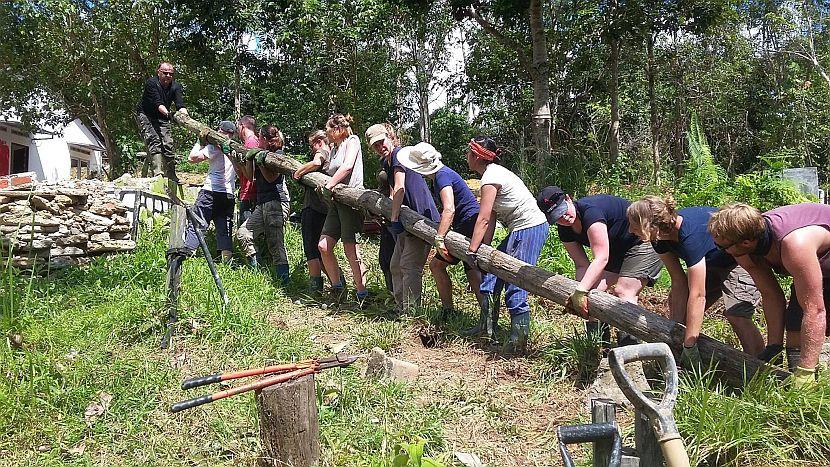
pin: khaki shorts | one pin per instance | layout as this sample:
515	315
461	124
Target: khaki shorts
343	222
639	262
740	296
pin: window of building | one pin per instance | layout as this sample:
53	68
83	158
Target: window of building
20	158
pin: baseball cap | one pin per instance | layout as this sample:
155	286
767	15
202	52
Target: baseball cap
551	201
227	127
376	133
423	158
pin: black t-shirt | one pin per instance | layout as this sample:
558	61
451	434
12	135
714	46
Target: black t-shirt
267	191
608	209
155	95
694	242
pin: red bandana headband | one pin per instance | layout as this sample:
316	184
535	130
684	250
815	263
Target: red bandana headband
481	152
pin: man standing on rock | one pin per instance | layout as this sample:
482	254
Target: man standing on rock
153	113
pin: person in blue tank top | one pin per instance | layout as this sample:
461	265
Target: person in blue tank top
409	189
459	210
710	273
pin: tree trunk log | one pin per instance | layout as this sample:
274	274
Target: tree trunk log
288	423
734	366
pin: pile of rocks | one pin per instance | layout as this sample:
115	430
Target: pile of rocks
61	225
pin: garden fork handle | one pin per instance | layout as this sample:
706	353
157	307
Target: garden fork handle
661	414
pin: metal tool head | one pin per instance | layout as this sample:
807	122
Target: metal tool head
336	360
661	412
587	434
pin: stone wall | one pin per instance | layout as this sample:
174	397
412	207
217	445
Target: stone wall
62	225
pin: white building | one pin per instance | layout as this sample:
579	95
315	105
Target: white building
53	153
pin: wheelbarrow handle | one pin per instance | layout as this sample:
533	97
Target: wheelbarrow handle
590	433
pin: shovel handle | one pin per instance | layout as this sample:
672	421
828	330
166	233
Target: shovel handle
659	413
590	433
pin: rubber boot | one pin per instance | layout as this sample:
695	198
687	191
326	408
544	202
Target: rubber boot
519	331
281	274
253	263
493	323
484	325
793	358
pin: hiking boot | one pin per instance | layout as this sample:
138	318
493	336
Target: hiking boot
362	298
315	286
519	331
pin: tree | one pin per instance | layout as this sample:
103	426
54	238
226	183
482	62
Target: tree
534	64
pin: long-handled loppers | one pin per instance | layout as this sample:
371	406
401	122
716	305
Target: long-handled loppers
280	374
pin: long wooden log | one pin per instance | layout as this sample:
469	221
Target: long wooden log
734	366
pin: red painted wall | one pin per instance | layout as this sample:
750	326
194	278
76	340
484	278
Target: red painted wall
4	158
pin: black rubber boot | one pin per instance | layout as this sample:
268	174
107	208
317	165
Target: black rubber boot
493	323
484	325
519	331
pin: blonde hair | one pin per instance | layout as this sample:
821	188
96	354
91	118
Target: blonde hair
317	135
651	211
340	122
737	222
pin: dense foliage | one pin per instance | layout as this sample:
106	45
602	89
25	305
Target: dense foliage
624	78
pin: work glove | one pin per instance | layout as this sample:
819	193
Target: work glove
578	302
772	354
690	357
325	193
396	228
260	157
226	147
203	136
441	247
251	153
803	378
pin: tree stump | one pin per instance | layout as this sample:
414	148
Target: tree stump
289	428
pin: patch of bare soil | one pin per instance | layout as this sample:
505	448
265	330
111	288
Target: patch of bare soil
500	410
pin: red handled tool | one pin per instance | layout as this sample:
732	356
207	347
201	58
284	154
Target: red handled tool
280	374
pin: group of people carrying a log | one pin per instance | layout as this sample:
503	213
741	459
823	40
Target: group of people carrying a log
733	252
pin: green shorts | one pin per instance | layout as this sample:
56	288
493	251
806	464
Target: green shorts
740	296
639	262
343	222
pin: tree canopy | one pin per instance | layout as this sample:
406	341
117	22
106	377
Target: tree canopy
576	91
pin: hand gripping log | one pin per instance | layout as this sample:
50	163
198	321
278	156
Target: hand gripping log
734	366
280	374
661	414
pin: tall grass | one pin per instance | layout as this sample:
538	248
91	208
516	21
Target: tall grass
765	423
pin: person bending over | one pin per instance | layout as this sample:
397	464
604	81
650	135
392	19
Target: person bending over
710	273
794	241
621	260
459	211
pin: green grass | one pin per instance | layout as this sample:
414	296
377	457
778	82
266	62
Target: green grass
95	330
